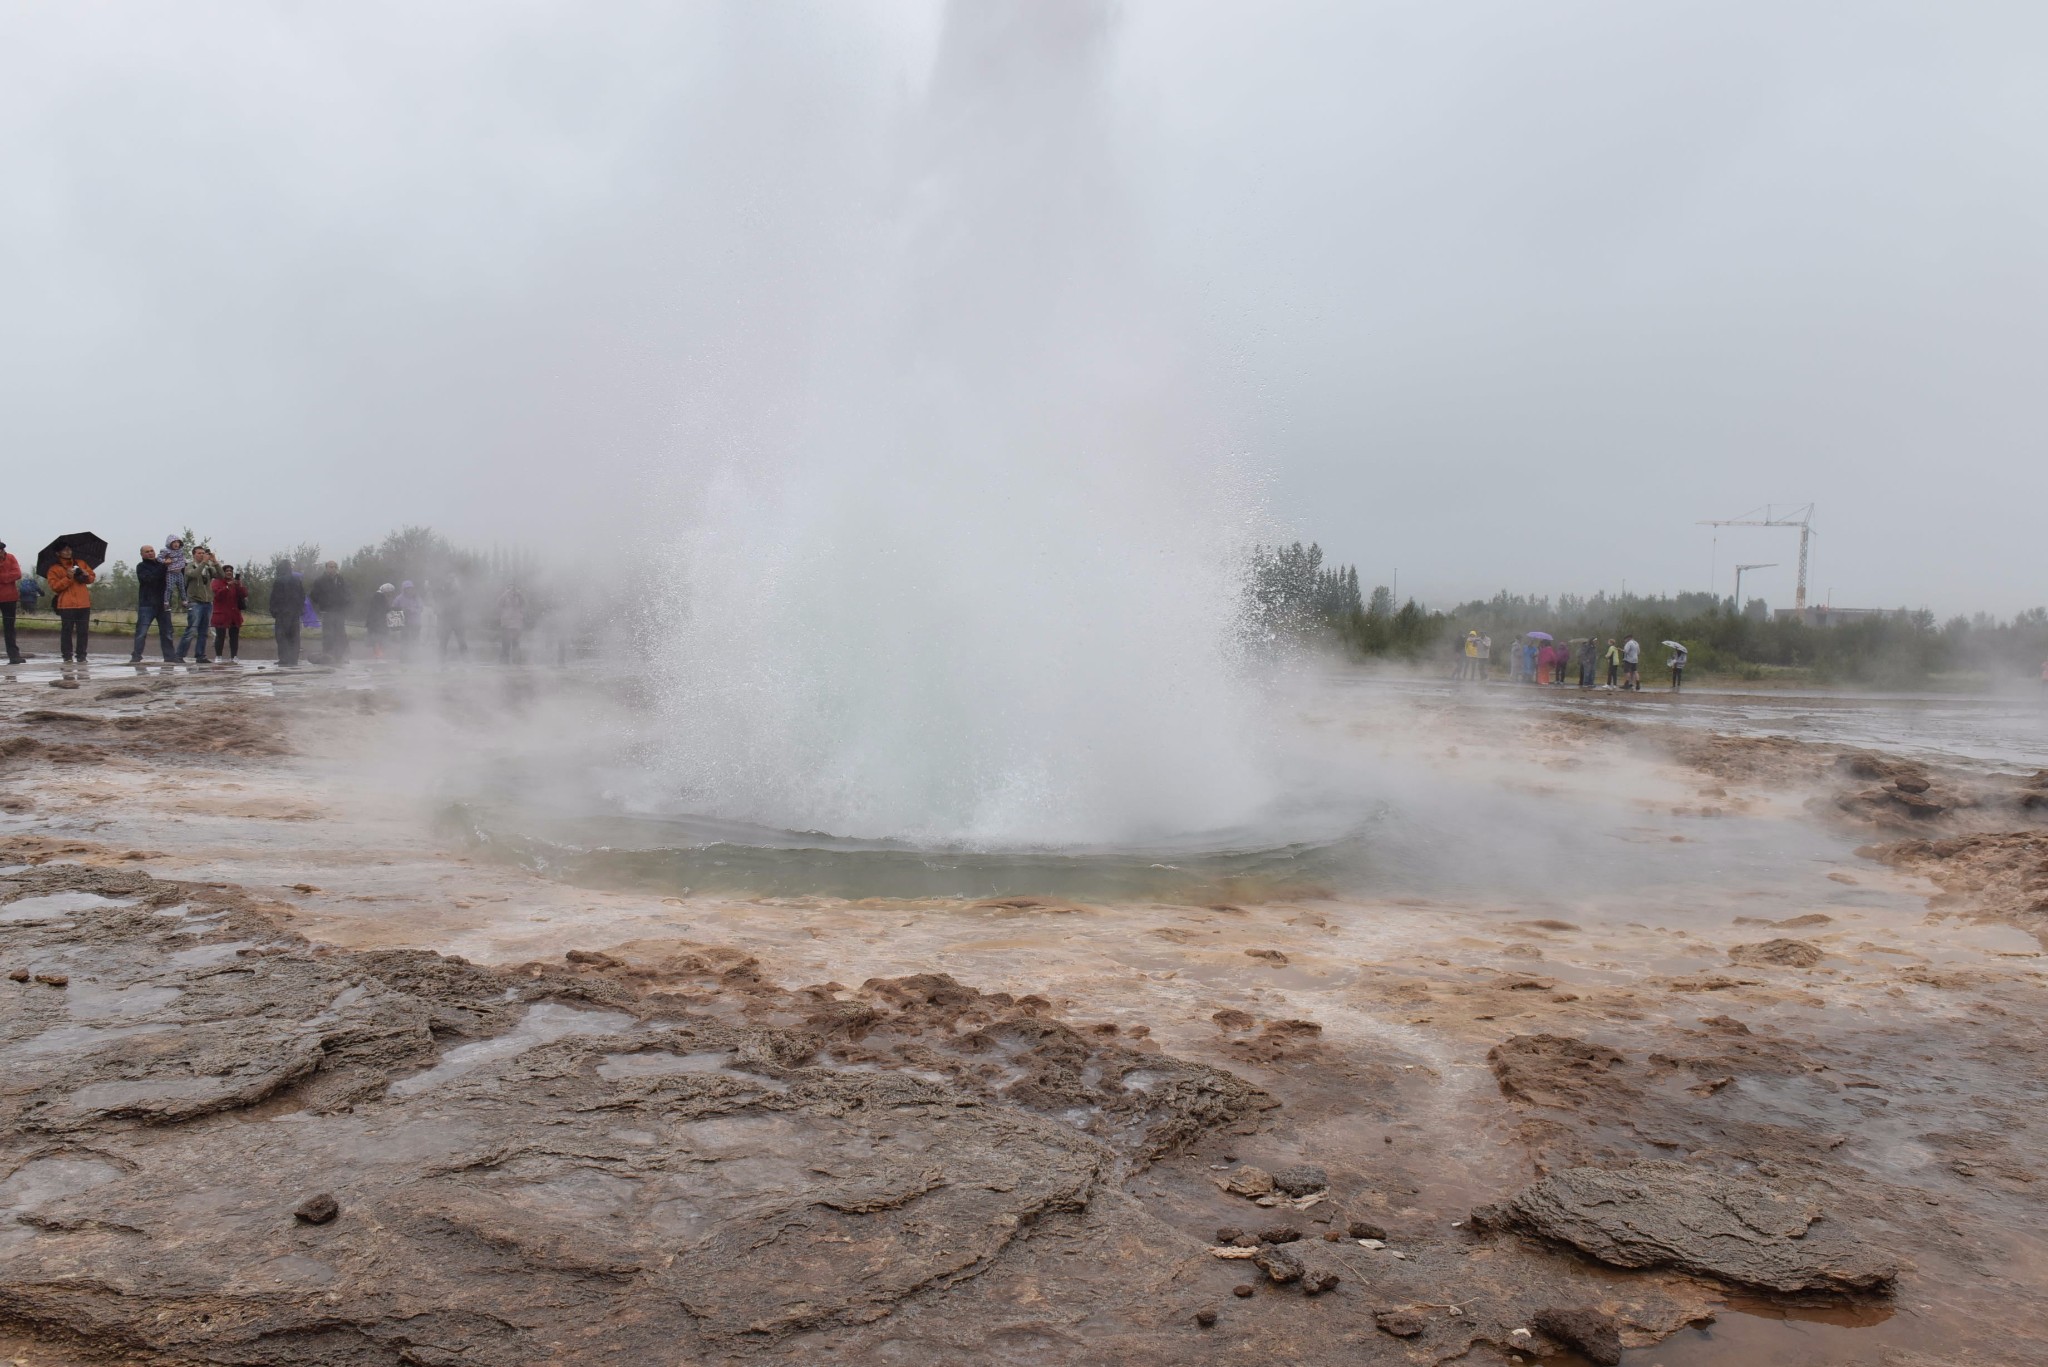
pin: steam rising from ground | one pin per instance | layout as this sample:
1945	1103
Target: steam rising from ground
965	565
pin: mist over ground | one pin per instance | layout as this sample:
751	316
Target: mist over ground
306	275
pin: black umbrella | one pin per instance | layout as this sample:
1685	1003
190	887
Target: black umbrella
87	547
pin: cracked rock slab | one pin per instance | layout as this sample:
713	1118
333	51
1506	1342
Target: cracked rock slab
1671	1215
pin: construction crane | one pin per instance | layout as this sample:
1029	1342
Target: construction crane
1740	570
1800	517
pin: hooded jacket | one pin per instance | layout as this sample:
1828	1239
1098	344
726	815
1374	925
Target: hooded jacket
10	578
72	584
287	596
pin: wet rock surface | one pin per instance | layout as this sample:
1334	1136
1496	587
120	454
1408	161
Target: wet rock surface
1584	1330
539	1164
1649	1215
607	1159
1898	1095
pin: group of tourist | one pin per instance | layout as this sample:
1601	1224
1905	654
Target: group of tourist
1538	658
212	599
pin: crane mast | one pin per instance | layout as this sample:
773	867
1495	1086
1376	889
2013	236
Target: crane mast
1800	517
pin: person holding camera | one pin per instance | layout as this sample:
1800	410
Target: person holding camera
71	581
230	596
152	603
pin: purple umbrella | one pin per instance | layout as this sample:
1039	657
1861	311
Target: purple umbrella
1539	635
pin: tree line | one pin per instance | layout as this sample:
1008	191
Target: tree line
1296	600
420	554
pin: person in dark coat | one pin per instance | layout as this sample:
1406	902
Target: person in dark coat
331	599
152	603
377	621
287	601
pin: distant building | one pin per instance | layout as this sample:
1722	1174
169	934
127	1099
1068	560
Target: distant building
1834	617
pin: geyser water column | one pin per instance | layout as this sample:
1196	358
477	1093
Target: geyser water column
979	583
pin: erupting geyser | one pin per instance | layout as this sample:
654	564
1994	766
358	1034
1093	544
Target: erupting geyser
966	567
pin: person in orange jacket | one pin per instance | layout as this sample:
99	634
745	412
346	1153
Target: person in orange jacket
10	596
70	580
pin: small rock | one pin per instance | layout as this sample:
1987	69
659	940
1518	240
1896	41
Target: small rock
19	975
1242	1289
318	1210
1205	1317
1300	1180
1777	953
304	887
1371	1243
53	979
1247	1181
1921	808
1279	1262
1271	956
1227	1234
1230	1018
1911	783
1402	1324
1592	1333
1331	1236
1279	1234
1365	1229
1316	1283
1246	1241
593	958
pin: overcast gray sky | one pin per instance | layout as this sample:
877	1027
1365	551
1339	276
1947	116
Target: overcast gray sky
1508	295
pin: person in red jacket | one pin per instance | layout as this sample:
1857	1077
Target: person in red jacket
230	596
70	581
10	596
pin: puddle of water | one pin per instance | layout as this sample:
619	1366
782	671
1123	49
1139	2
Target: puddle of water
540	1025
205	956
97	1096
88	1000
45	1179
65	1039
1761	1335
55	905
658	1064
40	1181
1953	942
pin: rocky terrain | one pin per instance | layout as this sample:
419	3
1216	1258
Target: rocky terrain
255	1119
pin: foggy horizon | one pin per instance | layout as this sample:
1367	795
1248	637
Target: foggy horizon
1494	299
